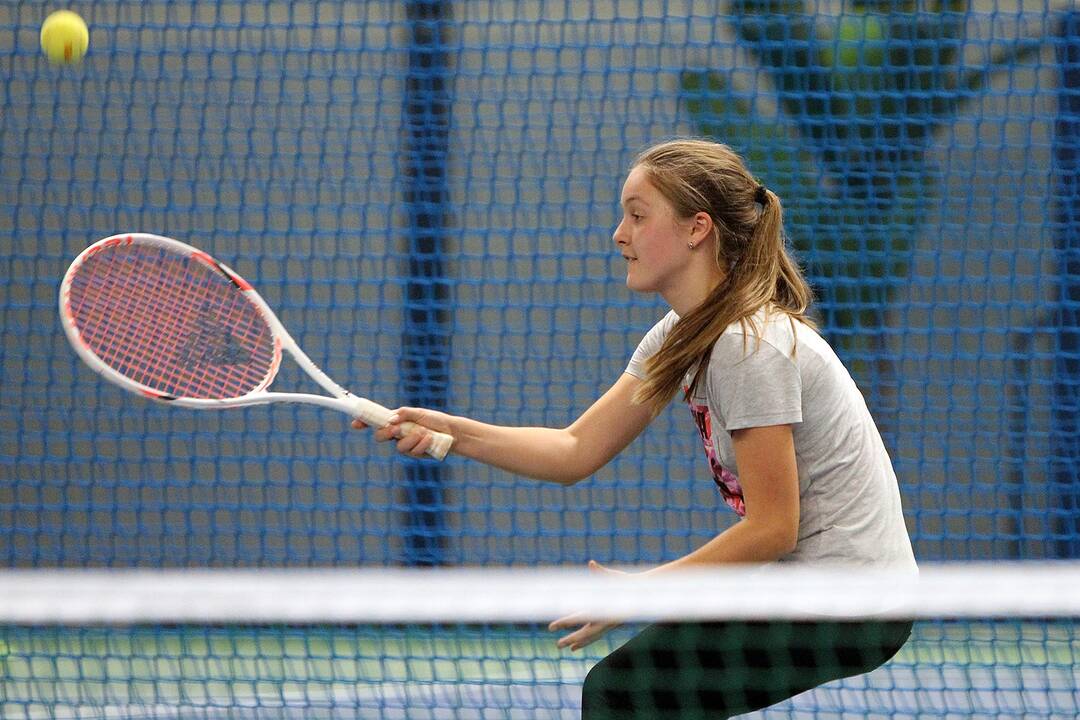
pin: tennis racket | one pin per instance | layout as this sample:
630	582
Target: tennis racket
169	322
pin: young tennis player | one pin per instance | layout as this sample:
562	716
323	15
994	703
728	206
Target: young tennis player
788	438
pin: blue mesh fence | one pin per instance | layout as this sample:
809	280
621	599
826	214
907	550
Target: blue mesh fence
426	191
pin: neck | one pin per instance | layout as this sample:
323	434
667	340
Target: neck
692	289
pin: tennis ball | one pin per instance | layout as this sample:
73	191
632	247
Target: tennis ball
64	37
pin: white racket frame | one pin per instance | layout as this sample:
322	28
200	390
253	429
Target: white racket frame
342	400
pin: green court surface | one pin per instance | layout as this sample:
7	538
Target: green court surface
953	670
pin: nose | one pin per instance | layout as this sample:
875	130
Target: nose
618	236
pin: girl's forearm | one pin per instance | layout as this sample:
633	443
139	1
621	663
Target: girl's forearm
551	454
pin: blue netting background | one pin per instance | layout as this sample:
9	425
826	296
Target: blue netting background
425	192
397	186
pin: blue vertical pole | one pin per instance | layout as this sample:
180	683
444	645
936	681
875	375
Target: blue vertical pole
1065	405
426	336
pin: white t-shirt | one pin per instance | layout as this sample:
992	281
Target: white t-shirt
849	502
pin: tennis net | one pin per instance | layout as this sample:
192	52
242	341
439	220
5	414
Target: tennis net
988	641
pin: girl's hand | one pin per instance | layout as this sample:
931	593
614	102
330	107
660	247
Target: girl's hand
416	443
588	630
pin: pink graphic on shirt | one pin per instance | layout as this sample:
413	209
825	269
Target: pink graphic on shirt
725	480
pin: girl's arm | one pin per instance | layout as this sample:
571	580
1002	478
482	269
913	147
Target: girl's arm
564	455
769	478
770	481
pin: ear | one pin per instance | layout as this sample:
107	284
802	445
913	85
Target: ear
701	228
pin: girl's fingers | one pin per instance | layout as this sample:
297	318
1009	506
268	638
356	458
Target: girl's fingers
588	633
390	431
569	640
415	444
406	444
567	622
605	570
386	433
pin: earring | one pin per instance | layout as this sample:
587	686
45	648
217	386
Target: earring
690	245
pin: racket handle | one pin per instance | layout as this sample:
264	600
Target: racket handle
376	415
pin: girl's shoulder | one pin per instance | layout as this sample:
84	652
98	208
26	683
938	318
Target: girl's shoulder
769	325
659	331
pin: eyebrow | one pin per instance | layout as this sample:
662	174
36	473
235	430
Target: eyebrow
631	199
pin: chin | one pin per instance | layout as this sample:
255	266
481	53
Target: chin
637	285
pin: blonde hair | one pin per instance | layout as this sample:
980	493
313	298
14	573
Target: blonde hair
703	176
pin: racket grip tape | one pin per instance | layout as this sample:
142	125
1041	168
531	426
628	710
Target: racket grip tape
376	415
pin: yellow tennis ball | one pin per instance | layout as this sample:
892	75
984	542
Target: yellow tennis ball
64	37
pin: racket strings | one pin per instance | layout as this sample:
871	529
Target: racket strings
120	296
142	324
152	329
171	323
139	325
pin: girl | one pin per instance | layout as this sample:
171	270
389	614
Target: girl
788	437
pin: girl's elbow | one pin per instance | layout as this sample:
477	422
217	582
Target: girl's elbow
788	541
786	536
580	461
778	539
569	476
561	473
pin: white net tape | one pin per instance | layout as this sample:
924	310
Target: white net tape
491	595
